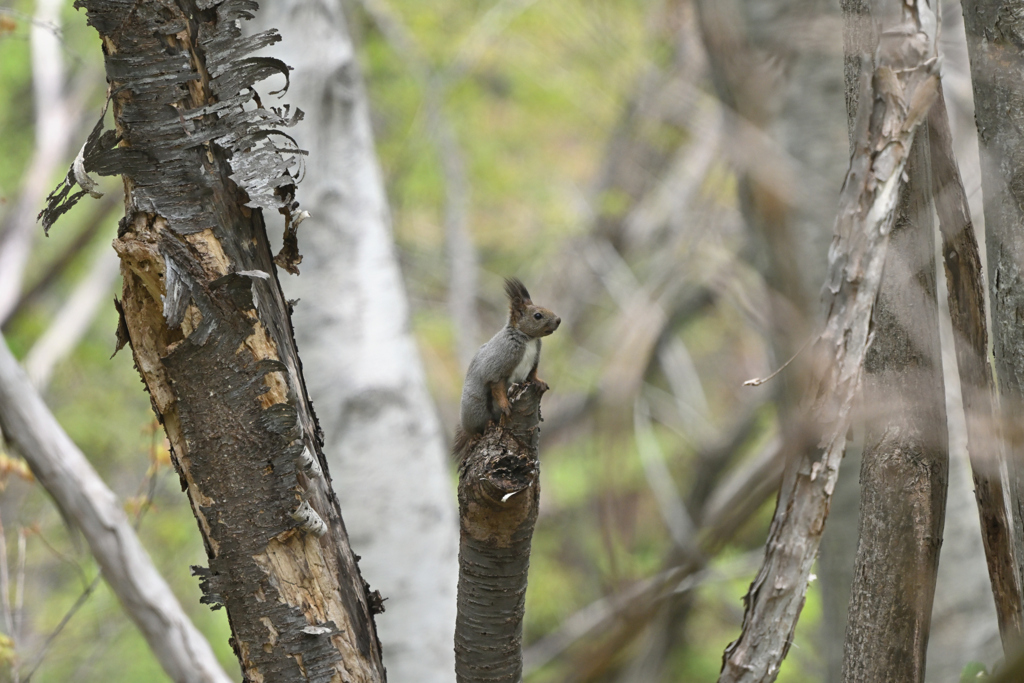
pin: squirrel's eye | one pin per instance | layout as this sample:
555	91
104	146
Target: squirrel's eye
537	316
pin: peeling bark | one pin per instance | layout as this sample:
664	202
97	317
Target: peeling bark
499	491
995	38
905	466
900	91
211	333
382	436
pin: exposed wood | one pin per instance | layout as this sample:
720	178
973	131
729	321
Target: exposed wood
905	465
995	36
900	91
999	531
85	501
499	491
211	333
382	436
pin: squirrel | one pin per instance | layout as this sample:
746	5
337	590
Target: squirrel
510	357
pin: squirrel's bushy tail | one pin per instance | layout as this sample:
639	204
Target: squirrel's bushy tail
462	444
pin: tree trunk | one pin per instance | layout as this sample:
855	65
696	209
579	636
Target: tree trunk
382	437
211	332
995	37
901	90
905	466
499	492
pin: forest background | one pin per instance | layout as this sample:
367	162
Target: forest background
591	149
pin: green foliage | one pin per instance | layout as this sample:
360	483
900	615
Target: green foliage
973	672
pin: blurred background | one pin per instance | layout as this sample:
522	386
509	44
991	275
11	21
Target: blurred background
662	174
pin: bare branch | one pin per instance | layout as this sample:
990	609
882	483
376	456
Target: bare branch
84	499
73	319
53	131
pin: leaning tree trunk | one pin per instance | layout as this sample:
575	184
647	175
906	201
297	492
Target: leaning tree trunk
901	89
995	38
905	464
211	332
382	436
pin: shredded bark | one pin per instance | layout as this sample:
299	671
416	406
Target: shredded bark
211	332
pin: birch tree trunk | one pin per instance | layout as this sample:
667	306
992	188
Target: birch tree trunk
382	437
211	331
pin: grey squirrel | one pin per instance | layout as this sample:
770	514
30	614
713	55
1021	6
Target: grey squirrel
510	357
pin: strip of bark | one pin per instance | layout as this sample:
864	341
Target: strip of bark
86	502
900	91
999	531
905	466
211	331
499	491
995	38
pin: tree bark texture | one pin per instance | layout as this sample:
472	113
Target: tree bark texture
779	64
905	464
901	90
499	491
985	445
995	38
211	333
85	501
382	436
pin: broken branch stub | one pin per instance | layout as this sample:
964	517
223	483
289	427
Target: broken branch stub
499	492
211	334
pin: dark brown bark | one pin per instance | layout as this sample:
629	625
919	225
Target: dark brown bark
905	465
211	332
967	312
499	491
995	38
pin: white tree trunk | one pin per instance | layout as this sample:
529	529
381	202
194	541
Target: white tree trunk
383	439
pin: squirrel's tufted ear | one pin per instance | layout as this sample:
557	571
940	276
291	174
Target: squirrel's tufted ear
516	291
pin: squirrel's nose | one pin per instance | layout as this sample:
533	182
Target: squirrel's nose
558	321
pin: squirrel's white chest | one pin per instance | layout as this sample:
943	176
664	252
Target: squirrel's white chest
526	364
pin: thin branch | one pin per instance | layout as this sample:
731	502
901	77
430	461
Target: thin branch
52	271
53	131
5	584
86	501
149	483
73	319
72	611
462	257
